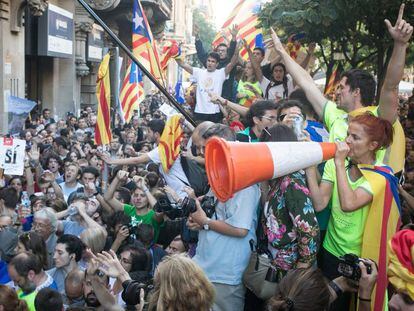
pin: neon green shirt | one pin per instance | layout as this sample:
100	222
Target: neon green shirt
241	88
345	229
336	122
147	218
30	298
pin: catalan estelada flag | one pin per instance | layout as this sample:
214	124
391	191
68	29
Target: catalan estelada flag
401	262
382	223
394	155
143	43
169	146
244	15
132	92
103	133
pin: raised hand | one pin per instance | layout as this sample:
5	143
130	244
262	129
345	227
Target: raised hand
311	47
110	264
276	41
342	150
34	153
48	176
234	31
402	30
122	175
105	157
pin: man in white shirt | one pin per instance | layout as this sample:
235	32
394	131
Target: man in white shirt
175	177
71	184
209	80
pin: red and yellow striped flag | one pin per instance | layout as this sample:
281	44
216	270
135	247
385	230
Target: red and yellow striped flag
244	16
383	221
132	92
169	146
103	133
333	80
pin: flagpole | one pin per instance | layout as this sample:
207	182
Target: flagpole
135	60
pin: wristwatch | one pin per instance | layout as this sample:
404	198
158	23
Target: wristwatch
206	224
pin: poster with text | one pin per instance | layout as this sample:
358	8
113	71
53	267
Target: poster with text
12	153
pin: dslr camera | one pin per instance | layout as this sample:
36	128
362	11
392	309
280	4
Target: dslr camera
175	210
182	210
349	266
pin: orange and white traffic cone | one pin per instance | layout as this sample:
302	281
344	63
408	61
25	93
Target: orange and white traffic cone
232	166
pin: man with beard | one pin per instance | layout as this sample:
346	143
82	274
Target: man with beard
23	269
96	291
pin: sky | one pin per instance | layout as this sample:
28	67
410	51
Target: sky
222	10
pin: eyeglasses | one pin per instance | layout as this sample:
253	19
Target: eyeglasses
125	260
270	118
281	117
39	225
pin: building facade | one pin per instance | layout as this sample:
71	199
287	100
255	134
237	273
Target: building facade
50	50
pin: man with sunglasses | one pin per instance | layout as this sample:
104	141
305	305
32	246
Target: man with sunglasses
261	115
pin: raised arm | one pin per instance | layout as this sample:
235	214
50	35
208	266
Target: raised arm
233	43
217	99
256	66
184	65
109	195
233	60
201	53
301	77
141	159
401	33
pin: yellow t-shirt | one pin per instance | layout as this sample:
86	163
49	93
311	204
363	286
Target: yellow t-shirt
345	229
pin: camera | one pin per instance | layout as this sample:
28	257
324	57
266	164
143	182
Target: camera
208	204
130	294
349	266
175	210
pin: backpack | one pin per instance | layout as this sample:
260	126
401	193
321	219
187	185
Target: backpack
196	176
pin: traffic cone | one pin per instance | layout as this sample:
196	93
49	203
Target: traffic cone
232	166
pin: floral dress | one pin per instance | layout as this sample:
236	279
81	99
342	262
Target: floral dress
290	224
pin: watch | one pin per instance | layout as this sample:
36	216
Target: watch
206	224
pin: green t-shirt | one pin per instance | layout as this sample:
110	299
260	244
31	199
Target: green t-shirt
241	88
30	299
345	229
148	219
336	122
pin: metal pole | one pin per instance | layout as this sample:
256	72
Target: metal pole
114	72
134	59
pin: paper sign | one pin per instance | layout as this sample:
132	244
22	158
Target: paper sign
168	110
12	153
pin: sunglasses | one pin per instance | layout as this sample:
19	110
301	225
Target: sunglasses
282	117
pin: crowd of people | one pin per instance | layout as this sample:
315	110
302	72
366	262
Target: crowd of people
92	227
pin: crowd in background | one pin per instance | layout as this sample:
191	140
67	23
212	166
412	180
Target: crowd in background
92	227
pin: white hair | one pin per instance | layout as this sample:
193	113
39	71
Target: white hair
50	214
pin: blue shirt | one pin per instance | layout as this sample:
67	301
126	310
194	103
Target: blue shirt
72	227
224	258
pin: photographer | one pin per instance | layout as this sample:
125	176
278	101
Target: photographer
179	284
231	227
307	289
